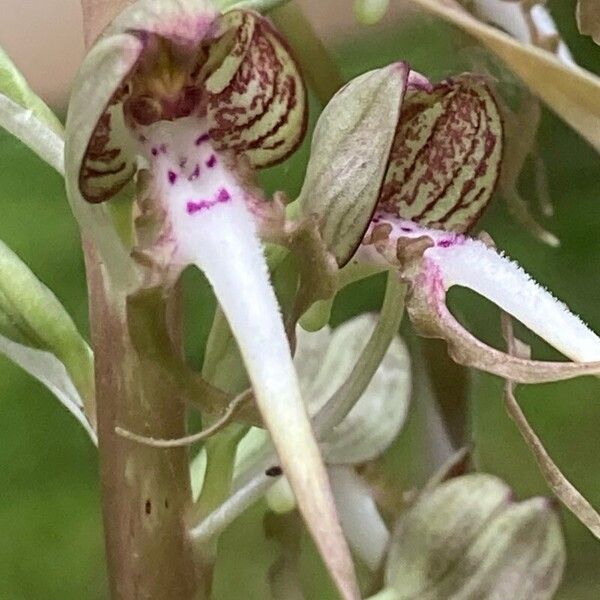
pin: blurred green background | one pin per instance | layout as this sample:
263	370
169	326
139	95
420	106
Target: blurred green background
51	541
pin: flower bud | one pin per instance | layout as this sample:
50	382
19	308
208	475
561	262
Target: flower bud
468	539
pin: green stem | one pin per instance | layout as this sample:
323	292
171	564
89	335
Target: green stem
342	402
317	65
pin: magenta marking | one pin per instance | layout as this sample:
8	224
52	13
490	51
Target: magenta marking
211	162
193	207
223	196
203	138
445	243
172	177
154	152
195	174
407	229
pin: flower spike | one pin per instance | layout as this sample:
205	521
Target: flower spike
199	101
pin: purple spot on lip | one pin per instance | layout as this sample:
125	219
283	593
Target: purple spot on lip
194	207
154	152
172	177
407	229
195	174
203	138
446	243
223	196
212	161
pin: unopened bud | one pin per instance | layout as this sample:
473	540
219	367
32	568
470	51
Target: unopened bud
469	539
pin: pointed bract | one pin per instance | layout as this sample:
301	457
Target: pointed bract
349	156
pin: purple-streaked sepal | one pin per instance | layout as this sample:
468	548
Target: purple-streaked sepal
446	155
257	102
109	162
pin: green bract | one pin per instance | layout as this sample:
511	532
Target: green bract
349	156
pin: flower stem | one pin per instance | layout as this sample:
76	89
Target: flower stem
145	491
317	65
346	397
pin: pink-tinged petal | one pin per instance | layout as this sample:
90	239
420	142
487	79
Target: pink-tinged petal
446	155
257	99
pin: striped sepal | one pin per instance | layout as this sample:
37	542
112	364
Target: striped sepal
446	155
257	100
109	162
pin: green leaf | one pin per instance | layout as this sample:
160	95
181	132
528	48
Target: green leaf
37	333
26	116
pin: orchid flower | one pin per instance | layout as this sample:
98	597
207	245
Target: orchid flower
429	182
324	359
193	102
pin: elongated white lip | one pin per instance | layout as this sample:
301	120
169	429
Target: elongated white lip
454	259
472	264
210	225
230	256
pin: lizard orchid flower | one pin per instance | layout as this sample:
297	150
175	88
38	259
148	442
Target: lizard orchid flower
196	101
428	183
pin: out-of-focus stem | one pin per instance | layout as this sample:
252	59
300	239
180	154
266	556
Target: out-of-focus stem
450	386
318	67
